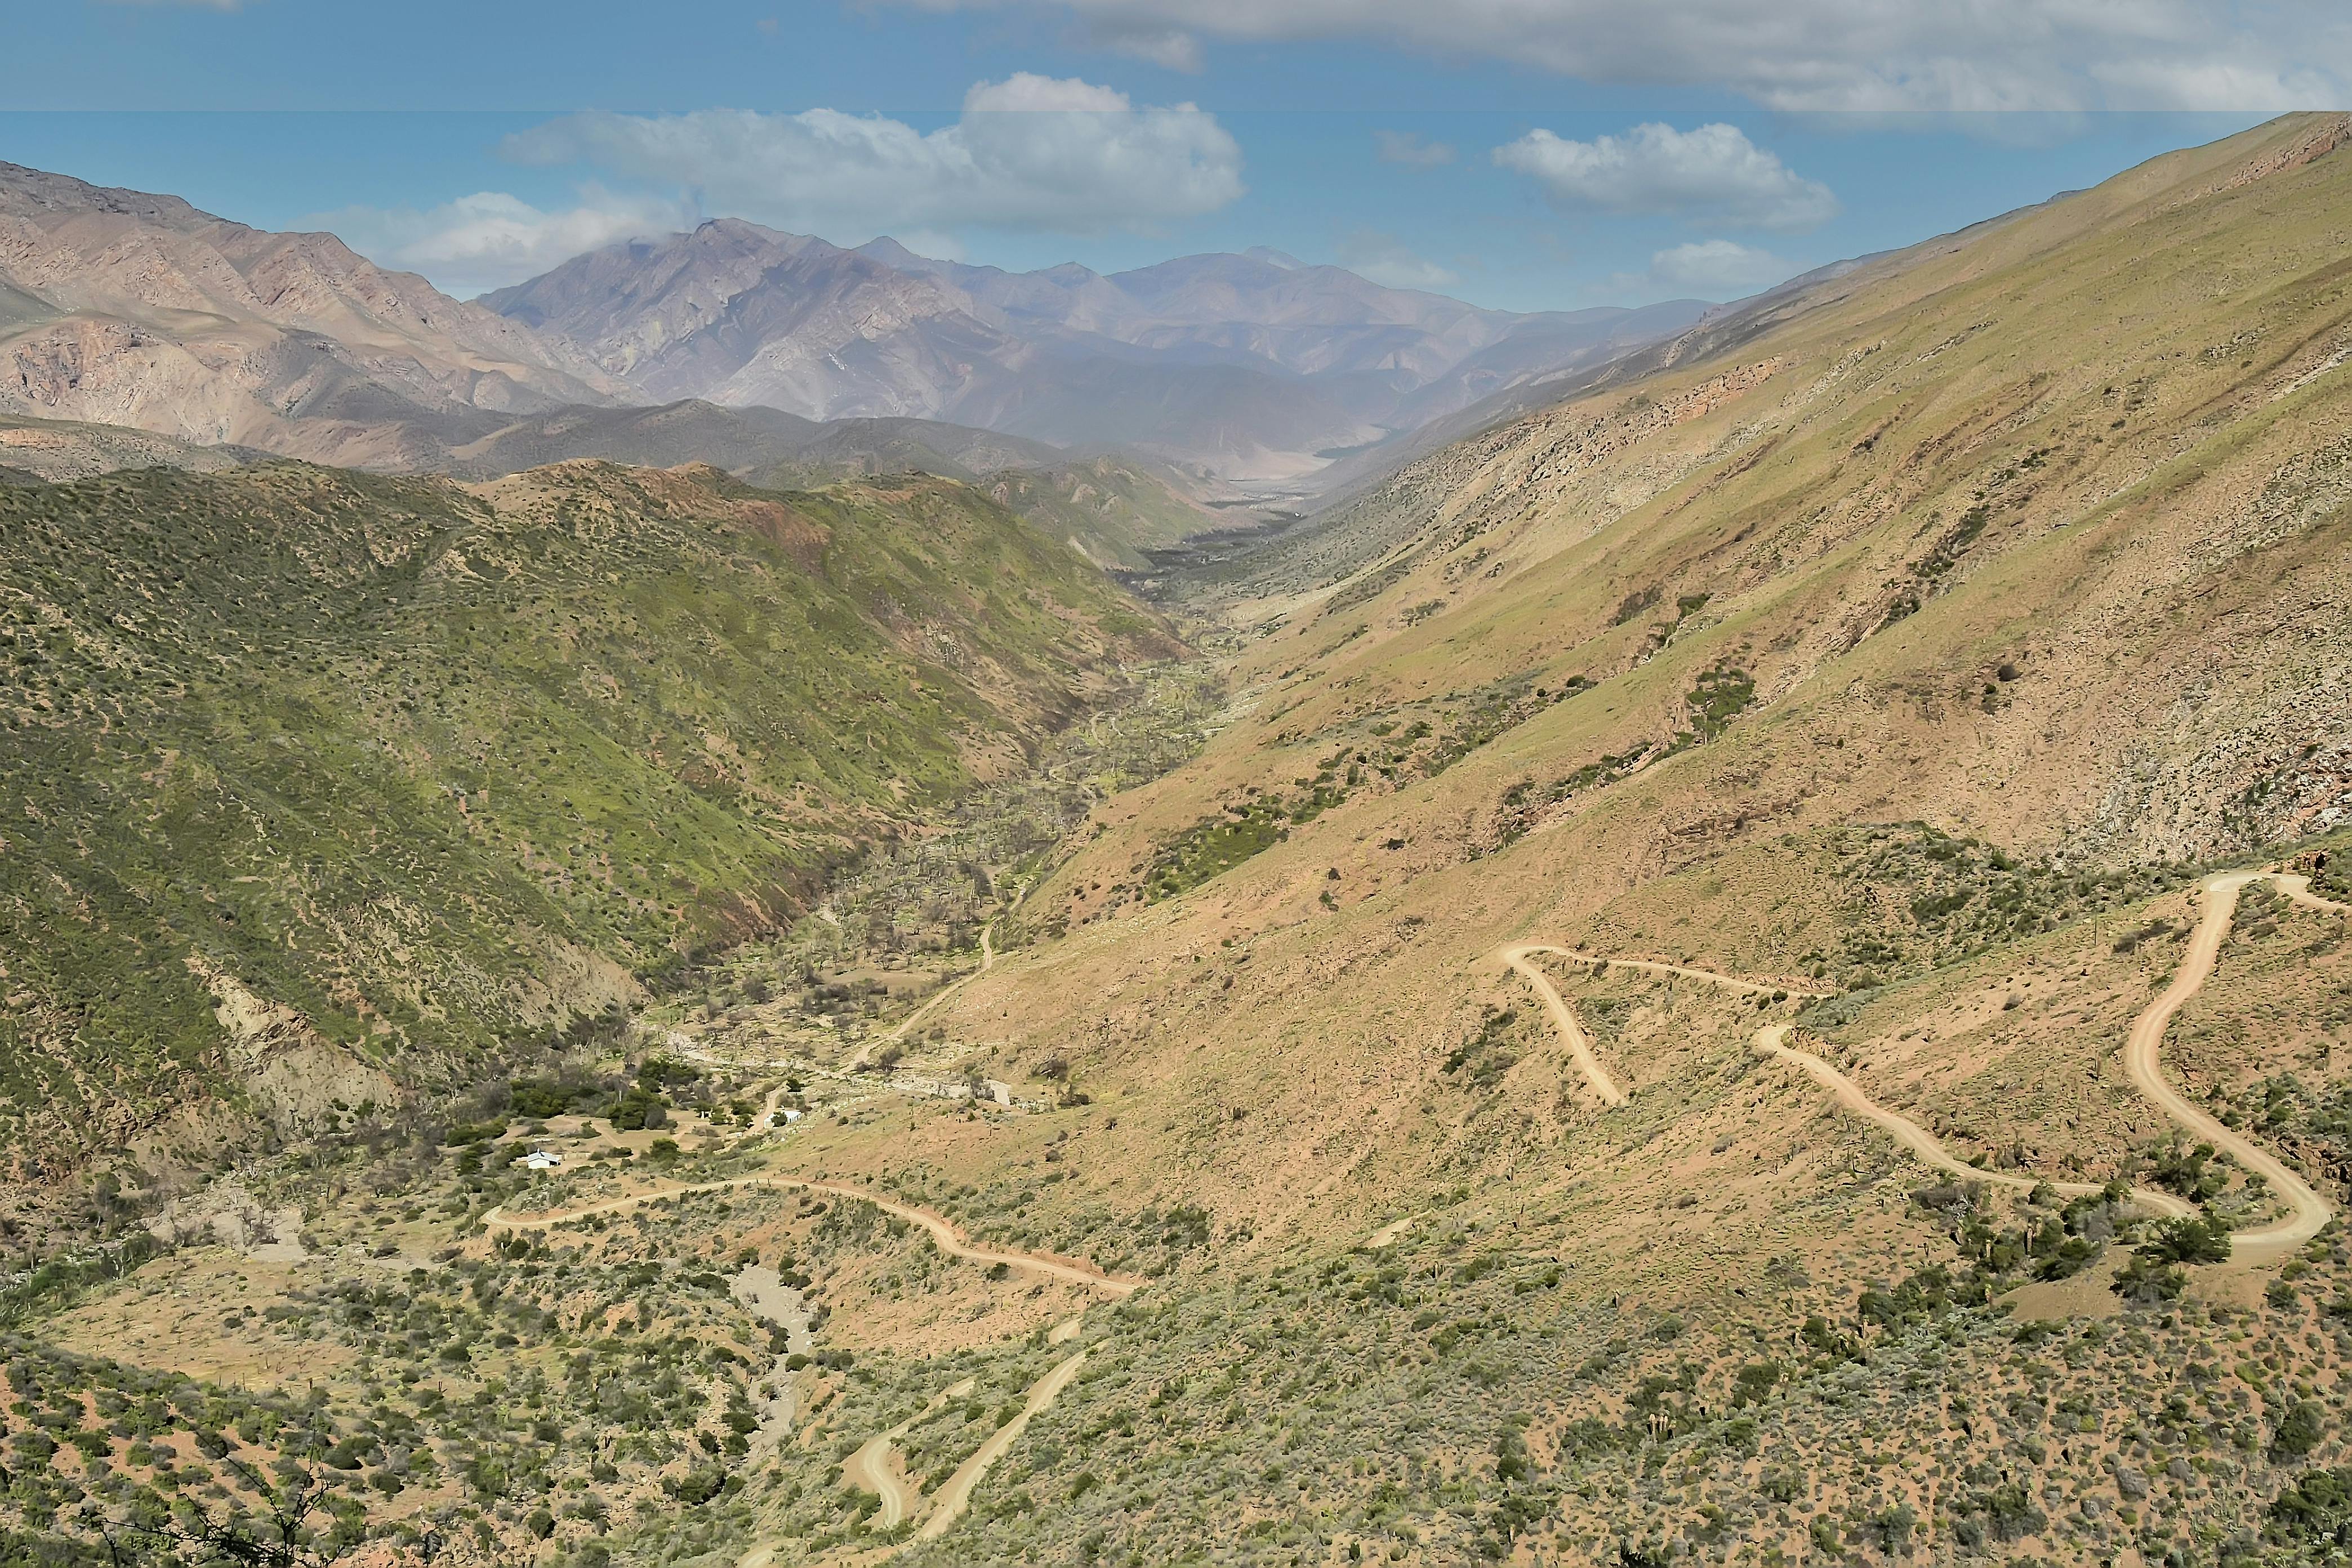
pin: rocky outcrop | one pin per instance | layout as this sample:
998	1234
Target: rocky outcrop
300	1079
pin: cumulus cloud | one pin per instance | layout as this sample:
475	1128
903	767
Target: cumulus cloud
490	239
1028	153
1879	55
1386	260
1407	148
1709	269
1714	171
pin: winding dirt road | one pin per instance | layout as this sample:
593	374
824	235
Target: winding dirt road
1772	1041
871	1468
2308	1212
906	1025
1571	1028
942	1230
954	1496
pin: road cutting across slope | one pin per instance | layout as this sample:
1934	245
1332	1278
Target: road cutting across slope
1564	1019
954	1495
1773	1041
906	1026
2308	1212
942	1230
871	1468
1571	1028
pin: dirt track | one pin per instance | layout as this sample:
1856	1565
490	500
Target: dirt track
1571	1028
1773	1041
871	1468
954	1496
942	1230
2309	1212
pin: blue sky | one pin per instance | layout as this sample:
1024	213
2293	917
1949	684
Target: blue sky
1522	154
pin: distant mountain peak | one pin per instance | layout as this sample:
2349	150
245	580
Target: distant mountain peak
1257	365
1273	258
890	253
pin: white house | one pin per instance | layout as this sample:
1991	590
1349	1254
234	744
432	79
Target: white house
542	1160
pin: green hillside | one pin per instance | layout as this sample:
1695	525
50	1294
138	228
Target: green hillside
434	766
1113	509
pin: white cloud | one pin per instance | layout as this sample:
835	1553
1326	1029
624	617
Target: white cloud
1714	171
1388	262
1708	269
489	240
1833	54
1028	153
1163	46
1407	148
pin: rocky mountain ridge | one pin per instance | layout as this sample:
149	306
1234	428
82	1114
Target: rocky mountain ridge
1257	368
124	308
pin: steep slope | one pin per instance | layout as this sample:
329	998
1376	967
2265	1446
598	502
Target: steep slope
1925	640
2034	533
130	308
52	451
325	786
1110	509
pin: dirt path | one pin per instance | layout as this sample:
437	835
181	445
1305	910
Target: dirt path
1772	1041
2308	1211
870	1470
1571	1028
954	1496
1564	1019
2297	889
906	1026
942	1230
875	1469
770	1110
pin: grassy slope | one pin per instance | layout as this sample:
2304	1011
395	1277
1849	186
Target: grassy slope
431	765
1110	508
2037	534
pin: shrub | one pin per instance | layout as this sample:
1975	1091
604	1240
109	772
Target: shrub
2300	1430
2146	1280
2315	1512
2190	1240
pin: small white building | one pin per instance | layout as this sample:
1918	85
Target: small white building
542	1160
789	1115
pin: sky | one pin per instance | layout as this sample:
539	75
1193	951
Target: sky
1522	154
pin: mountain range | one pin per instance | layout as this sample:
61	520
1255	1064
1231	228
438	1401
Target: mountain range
126	309
121	308
1255	367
